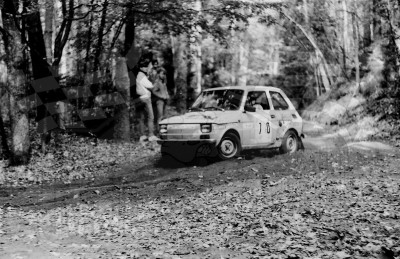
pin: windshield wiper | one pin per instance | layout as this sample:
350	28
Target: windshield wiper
215	108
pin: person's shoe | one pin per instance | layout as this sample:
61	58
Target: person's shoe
153	138
142	138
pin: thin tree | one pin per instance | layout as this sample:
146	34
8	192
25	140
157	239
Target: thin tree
100	36
68	12
325	70
48	29
179	50
195	62
89	39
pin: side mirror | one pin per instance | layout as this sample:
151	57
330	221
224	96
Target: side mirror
249	108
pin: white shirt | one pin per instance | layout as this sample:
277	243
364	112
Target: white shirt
142	85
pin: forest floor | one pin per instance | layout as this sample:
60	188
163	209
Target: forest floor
335	199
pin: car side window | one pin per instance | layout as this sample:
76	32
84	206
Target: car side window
232	99
258	99
263	101
278	101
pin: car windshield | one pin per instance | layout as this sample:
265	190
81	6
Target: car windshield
228	99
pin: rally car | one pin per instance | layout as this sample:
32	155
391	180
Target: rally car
224	121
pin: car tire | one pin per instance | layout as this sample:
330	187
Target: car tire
301	145
290	142
229	146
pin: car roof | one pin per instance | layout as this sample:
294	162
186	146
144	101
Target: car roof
248	87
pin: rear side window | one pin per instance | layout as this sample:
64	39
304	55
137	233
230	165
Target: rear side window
278	101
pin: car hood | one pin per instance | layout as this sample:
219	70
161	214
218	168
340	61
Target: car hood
219	117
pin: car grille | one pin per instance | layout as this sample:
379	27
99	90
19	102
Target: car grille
185	131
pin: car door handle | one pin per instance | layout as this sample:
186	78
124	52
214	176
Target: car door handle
272	116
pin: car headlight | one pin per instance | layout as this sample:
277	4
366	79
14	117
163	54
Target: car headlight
163	128
205	128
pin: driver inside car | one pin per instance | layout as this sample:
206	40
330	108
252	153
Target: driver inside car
251	101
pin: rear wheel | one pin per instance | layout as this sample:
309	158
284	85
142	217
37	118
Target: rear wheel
290	142
229	146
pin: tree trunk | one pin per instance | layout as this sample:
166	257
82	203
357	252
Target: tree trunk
37	47
318	85
115	35
57	96
99	45
367	25
63	33
357	53
4	148
88	43
16	79
20	142
121	82
130	52
306	13
346	40
377	20
44	83
129	42
48	29
391	32
243	61
195	63
180	73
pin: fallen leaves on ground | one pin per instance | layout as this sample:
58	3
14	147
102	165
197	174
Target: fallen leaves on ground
341	213
74	158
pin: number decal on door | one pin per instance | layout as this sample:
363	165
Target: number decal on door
268	128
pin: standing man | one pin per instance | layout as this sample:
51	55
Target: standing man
145	109
160	92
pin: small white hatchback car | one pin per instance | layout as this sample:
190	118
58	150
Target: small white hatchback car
226	120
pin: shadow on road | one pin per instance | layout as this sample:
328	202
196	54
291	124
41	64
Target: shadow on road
173	162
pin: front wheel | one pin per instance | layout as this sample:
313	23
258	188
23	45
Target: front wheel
229	146
290	142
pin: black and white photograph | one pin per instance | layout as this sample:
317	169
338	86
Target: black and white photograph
199	129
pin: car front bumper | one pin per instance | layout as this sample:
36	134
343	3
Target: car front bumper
188	141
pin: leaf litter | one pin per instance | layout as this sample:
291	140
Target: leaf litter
337	208
74	158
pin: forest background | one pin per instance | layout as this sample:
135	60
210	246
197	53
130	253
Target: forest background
74	57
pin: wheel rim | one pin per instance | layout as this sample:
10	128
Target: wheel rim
292	143
228	148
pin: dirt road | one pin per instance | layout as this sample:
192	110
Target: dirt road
154	209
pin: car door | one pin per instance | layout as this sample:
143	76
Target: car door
281	111
259	129
274	126
291	117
